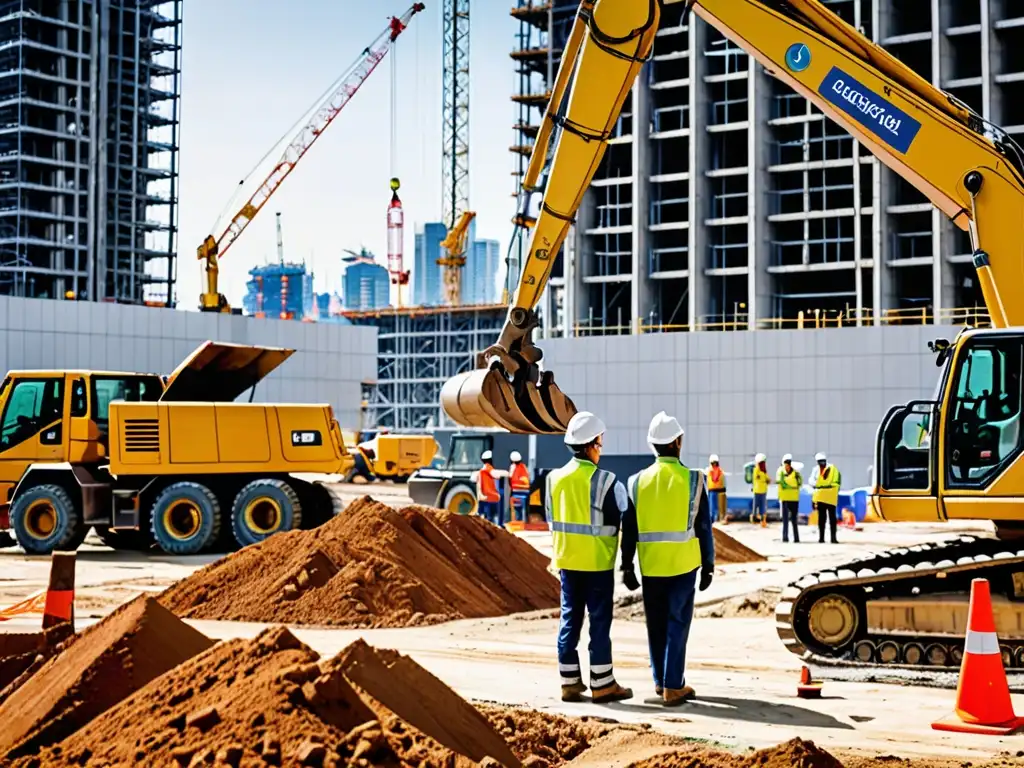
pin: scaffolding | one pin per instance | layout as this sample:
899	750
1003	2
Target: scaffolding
726	201
418	349
81	218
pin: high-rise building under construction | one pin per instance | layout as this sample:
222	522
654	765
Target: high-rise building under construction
89	105
726	201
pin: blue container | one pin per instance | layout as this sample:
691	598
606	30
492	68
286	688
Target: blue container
860	503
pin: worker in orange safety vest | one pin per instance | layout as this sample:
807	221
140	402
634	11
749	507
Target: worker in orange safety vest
717	502
519	479
488	498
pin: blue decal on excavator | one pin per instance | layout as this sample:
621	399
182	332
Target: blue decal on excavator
886	121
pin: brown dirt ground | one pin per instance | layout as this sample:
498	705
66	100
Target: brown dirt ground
756	604
373	566
729	550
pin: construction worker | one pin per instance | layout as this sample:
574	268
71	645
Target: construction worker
584	508
487	496
669	523
716	488
826	496
759	486
519	481
790	481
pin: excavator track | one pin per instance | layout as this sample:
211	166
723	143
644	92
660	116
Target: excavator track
905	607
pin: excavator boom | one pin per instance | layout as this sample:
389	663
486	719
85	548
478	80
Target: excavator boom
968	168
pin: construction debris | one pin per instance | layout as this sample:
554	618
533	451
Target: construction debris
373	566
105	664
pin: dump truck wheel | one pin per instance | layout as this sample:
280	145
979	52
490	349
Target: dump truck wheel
185	518
126	541
45	519
263	508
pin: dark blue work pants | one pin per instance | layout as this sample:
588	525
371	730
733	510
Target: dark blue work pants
491	511
586	592
790	512
668	606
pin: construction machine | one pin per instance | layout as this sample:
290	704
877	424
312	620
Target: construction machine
954	456
143	458
383	456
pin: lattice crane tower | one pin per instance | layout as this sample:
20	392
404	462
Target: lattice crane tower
455	136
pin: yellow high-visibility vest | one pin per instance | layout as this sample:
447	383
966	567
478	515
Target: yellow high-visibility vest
760	484
826	488
575	506
666	496
789	484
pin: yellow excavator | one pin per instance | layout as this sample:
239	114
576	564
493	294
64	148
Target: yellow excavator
956	456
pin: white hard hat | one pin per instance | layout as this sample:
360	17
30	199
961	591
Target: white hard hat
664	429
788	457
820	457
583	428
760	457
486	456
515	456
712	458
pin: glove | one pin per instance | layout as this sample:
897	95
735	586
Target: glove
706	576
630	580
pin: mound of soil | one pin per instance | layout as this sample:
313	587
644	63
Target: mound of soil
271	700
105	664
373	566
729	550
795	753
23	653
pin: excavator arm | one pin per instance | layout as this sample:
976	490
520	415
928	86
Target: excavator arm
968	168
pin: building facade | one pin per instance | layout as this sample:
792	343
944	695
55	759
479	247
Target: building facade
366	285
283	291
81	218
482	273
427	281
726	202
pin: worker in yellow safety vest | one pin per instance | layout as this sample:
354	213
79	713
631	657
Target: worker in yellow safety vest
790	481
759	485
826	496
669	525
716	488
584	508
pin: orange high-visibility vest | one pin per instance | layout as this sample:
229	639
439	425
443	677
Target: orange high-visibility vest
519	476
486	489
716	479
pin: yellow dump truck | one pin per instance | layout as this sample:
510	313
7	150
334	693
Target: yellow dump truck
172	460
384	456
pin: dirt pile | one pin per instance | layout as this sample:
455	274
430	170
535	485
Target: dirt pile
271	700
373	566
795	753
106	663
23	653
729	550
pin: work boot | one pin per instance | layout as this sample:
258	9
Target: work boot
612	692
573	692
676	696
658	690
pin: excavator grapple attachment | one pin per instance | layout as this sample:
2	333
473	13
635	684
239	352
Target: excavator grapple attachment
487	398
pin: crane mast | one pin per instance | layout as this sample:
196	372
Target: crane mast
455	147
320	116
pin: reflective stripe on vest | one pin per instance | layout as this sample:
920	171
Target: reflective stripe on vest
666	496
576	494
826	491
789	484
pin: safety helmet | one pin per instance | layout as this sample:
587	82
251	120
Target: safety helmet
713	458
759	458
664	429
820	457
584	428
515	457
787	458
486	456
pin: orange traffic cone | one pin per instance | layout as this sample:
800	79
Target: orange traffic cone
808	688
60	593
982	695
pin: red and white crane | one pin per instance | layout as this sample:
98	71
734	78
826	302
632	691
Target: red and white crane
313	123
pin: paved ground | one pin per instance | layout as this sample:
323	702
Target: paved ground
745	678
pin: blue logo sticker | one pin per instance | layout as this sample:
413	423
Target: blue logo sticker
889	123
798	57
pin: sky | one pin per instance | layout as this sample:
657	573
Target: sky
251	68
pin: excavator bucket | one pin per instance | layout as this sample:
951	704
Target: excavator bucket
486	398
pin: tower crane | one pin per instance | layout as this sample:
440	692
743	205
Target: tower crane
455	140
304	134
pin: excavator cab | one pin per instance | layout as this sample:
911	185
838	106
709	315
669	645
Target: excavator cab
950	457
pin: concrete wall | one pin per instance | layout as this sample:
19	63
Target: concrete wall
739	393
329	364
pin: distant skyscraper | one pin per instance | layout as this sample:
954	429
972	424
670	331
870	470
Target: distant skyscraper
279	290
366	285
480	275
426	274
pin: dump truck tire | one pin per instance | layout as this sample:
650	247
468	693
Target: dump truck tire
263	508
125	541
185	518
46	519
